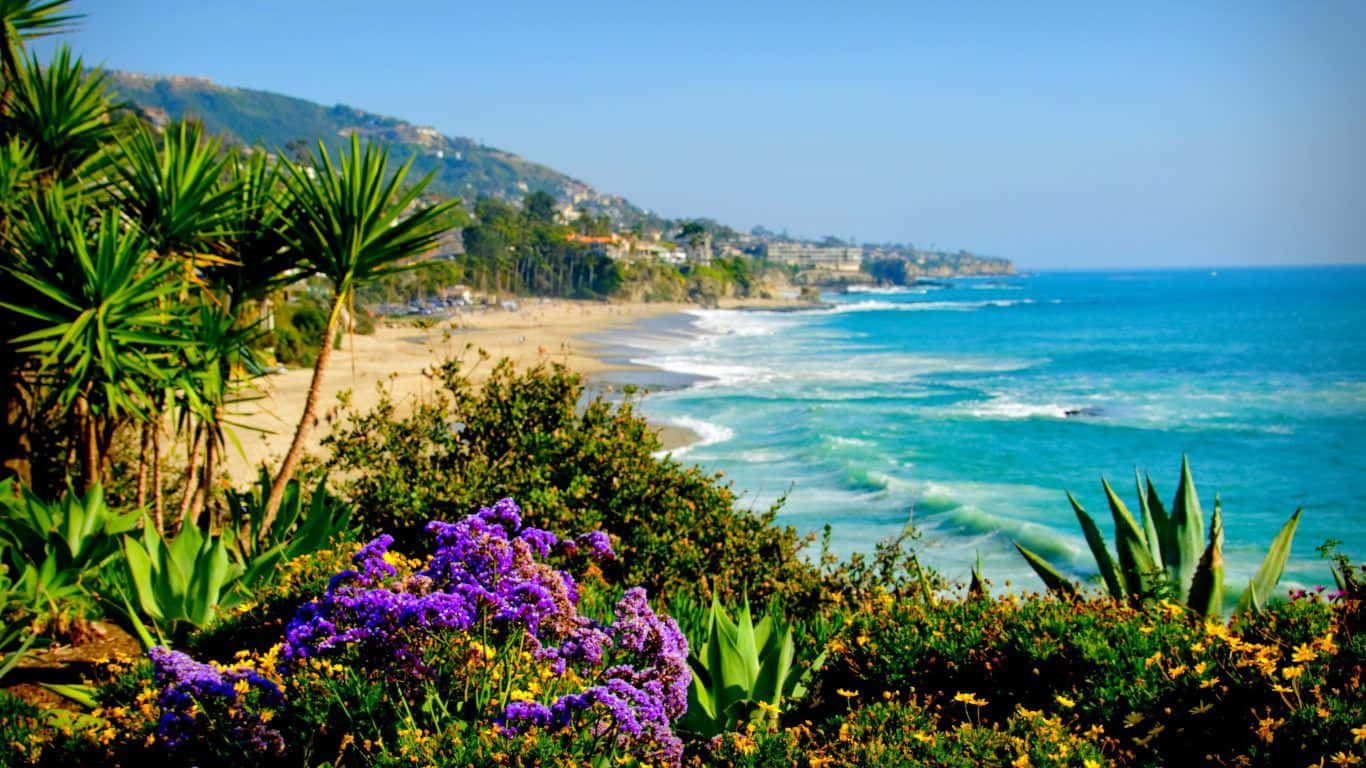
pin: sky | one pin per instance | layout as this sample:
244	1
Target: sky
1055	134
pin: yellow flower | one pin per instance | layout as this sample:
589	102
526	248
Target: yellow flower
846	693
1266	728
1132	719
1153	659
1089	763
1359	733
923	738
1065	701
1290	673
970	698
1343	759
1304	652
1022	762
768	708
1201	708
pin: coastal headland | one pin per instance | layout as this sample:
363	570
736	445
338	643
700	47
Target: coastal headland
400	354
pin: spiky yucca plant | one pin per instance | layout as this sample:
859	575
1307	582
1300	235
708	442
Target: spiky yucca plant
1169	554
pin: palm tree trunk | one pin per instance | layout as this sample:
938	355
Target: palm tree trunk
89	448
306	419
157	518
203	496
143	447
187	497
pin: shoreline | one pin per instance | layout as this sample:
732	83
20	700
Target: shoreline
398	353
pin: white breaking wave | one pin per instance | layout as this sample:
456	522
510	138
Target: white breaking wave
707	434
925	306
1006	408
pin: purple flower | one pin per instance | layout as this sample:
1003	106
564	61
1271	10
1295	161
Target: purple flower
371	559
188	686
598	544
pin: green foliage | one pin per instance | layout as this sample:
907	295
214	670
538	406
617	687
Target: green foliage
171	588
1157	683
742	670
299	328
573	465
1168	553
60	112
79	533
300	529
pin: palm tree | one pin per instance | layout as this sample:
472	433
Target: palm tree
54	125
22	20
351	223
104	336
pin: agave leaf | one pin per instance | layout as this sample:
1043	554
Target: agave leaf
1269	574
977	587
81	694
211	571
1098	549
1135	560
1166	543
1188	532
1051	578
140	568
1207	586
746	645
768	683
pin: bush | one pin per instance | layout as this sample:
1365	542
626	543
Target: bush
527	435
1157	684
474	656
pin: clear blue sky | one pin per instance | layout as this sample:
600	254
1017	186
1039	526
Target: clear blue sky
1063	135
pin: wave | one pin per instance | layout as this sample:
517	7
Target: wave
1007	409
902	289
707	434
923	306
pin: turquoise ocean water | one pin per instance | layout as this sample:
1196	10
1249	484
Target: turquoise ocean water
975	404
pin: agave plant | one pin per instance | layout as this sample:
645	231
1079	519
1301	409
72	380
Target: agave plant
297	530
182	584
1169	554
78	533
741	669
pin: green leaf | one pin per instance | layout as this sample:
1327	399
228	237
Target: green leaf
1188	532
1207	586
1131	548
1098	550
1051	578
1268	575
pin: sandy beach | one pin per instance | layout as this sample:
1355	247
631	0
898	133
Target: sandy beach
398	352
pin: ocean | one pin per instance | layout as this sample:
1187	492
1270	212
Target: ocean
972	405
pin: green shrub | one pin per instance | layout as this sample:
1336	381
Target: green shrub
572	464
1159	683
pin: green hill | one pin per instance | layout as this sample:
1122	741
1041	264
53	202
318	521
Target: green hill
464	168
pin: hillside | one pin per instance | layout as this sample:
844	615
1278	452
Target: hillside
464	168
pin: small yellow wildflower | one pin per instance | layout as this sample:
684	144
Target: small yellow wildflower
1065	701
1345	760
1022	762
1304	652
1266	728
923	738
846	693
1089	763
1290	673
1359	733
1132	719
970	698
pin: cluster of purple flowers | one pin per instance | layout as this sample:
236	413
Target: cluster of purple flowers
186	684
642	693
486	573
484	568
